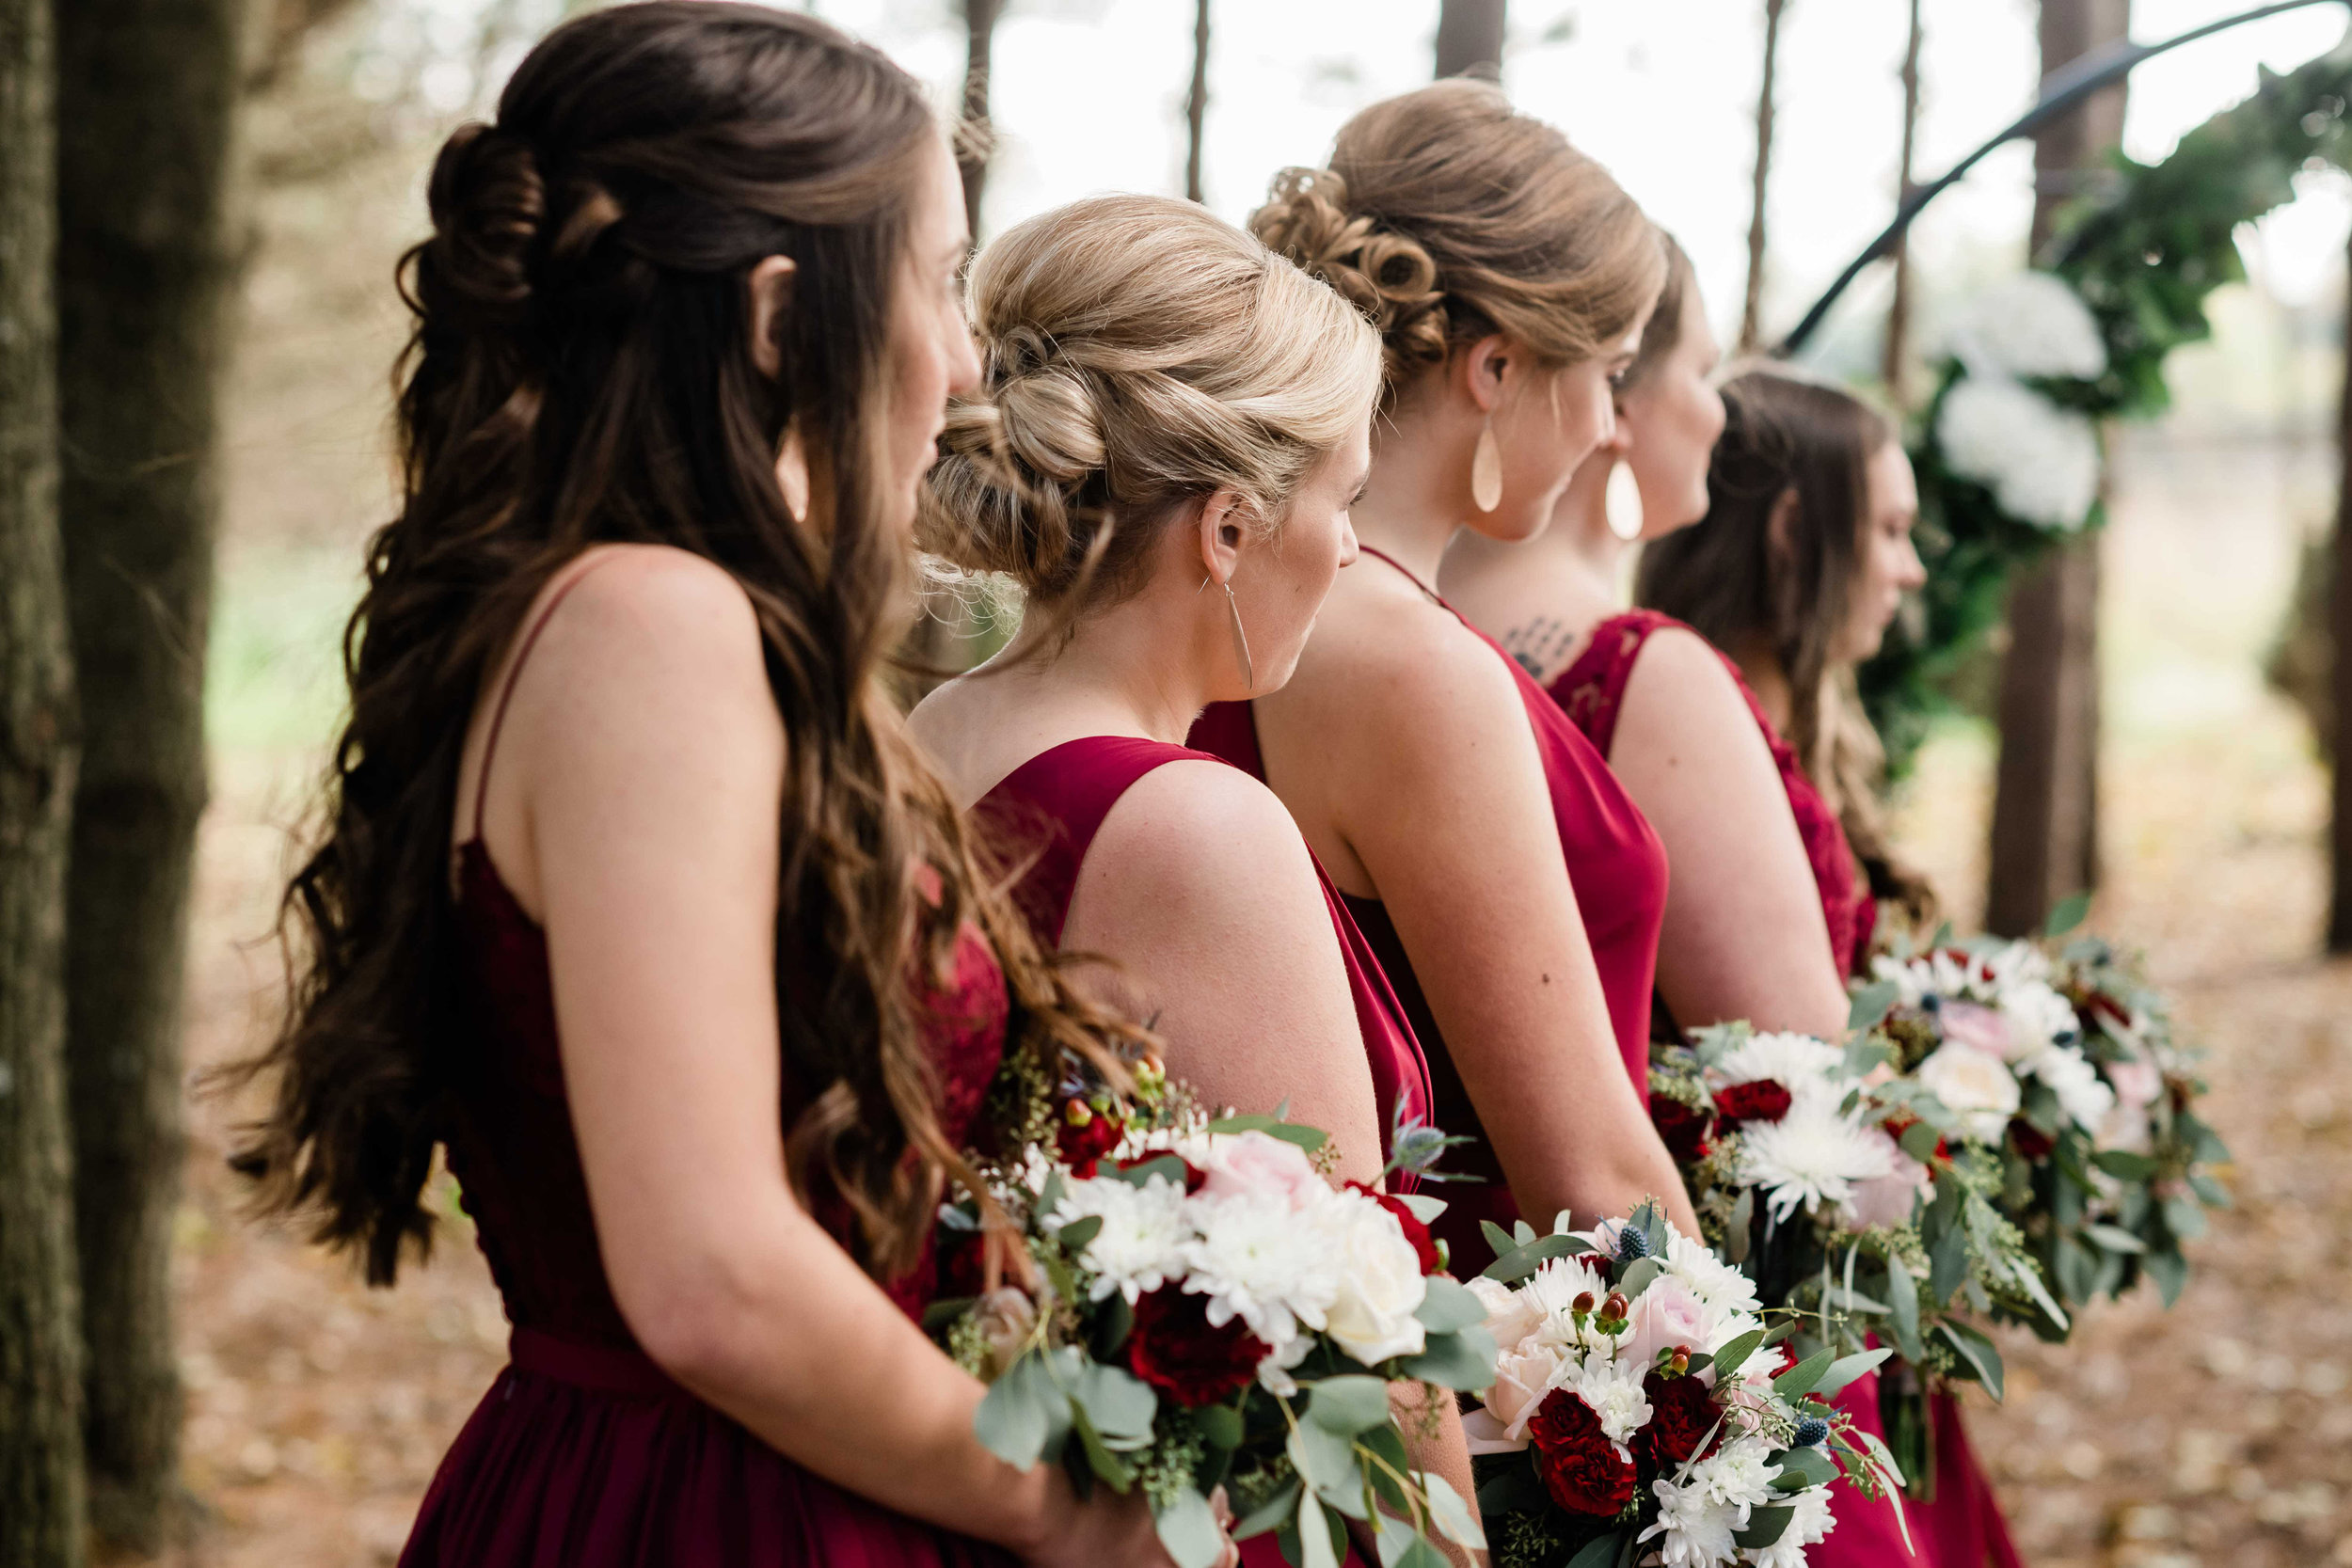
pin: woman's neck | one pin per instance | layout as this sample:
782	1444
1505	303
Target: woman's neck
1761	669
1130	670
1416	500
1579	541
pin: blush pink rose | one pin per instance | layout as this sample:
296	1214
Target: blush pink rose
1252	1163
2137	1084
1978	1028
1668	1314
1522	1381
1887	1199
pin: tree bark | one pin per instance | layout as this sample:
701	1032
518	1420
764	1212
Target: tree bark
2046	817
979	31
42	1513
1892	369
2339	678
1752	312
1470	38
148	94
1196	102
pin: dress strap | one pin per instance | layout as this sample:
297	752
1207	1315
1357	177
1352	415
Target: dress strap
506	688
1427	592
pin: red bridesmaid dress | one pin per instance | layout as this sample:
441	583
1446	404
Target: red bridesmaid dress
1618	869
585	1453
1963	1527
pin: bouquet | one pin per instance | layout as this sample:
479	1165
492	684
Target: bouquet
1191	1304
1642	1407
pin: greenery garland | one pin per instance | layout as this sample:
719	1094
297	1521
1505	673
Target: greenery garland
2141	252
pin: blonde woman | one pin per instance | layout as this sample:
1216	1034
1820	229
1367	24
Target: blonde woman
1173	427
1509	886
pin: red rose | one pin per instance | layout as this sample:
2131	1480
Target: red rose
1086	1135
1584	1472
1173	1348
2032	1142
1424	1245
1682	1414
1765	1100
962	1263
1195	1178
1683	1128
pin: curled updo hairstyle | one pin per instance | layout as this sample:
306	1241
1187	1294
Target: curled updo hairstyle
1727	576
1446	215
582	371
1664	334
1140	354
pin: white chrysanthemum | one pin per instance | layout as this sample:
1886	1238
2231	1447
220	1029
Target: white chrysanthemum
1552	1291
2041	462
1511	1315
1258	1259
2071	1076
1614	1389
1812	1155
1696	1533
1975	1087
1809	1526
2032	324
1715	1282
1145	1233
2014	963
2038	1017
1793	1060
1738	1474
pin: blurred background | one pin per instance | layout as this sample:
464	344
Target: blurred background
315	1410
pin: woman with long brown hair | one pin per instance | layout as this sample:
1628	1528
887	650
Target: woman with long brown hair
633	896
1510	888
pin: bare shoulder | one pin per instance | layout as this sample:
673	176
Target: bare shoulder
1201	824
1403	677
1680	692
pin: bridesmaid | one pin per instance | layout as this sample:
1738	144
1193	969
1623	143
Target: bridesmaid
1508	884
626	849
1175	425
1797	572
1767	918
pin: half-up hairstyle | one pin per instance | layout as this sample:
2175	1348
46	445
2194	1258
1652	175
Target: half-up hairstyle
1783	435
582	371
1446	215
1139	352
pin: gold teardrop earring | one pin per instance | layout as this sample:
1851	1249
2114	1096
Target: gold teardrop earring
1241	639
1487	468
1621	501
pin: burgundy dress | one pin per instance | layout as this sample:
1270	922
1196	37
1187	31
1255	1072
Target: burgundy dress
583	1453
1963	1527
1618	869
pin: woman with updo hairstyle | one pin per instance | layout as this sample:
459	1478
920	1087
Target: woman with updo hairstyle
1171	426
1766	916
632	895
1508	883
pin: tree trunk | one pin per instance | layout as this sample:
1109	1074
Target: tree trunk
1752	312
979	28
2340	676
41	1503
1197	103
2046	818
1470	38
1892	369
147	93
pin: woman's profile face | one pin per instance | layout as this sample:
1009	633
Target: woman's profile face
1282	580
931	353
1669	421
1888	566
1548	423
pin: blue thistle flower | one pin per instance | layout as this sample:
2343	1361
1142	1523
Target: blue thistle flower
1810	1431
1632	1244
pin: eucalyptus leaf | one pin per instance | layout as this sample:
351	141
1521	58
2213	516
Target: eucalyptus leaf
1463	1360
1735	1354
1347	1406
2067	916
2115	1239
1977	1350
1012	1419
1499	1241
1456	1520
1902	1308
1638	1276
1803	1467
1120	1405
1423	1207
1269	1514
1601	1551
1843	1371
1308	1138
1220	1425
1765	1525
1871	1004
1104	1461
1187	1527
1448	1307
1805	1376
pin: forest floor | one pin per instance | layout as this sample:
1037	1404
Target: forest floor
2212	1433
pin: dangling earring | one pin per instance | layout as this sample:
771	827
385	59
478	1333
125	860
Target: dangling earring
1622	502
1241	639
1487	469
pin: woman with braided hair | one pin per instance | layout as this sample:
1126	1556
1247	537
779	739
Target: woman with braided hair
633	894
1510	888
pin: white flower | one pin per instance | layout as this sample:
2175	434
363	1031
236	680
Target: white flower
1552	1291
1144	1238
1380	1284
1978	1088
2038	1017
1793	1060
1813	1155
1724	1289
1738	1475
1511	1315
2040	461
1697	1533
1258	1259
1614	1389
2032	323
1810	1525
2081	1091
2014	963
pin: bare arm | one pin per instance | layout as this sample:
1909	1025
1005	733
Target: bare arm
1744	935
650	761
1440	791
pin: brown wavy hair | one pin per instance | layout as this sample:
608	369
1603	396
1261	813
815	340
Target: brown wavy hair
582	371
1723	575
1446	215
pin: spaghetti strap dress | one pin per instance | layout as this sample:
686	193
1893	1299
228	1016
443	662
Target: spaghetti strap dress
1963	1527
585	1453
1618	869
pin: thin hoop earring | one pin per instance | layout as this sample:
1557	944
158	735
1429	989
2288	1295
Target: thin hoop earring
1487	468
1621	501
1241	639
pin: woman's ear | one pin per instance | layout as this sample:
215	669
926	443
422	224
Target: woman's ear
1780	529
1223	527
1482	367
772	295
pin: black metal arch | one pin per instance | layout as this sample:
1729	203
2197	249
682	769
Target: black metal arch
2060	91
